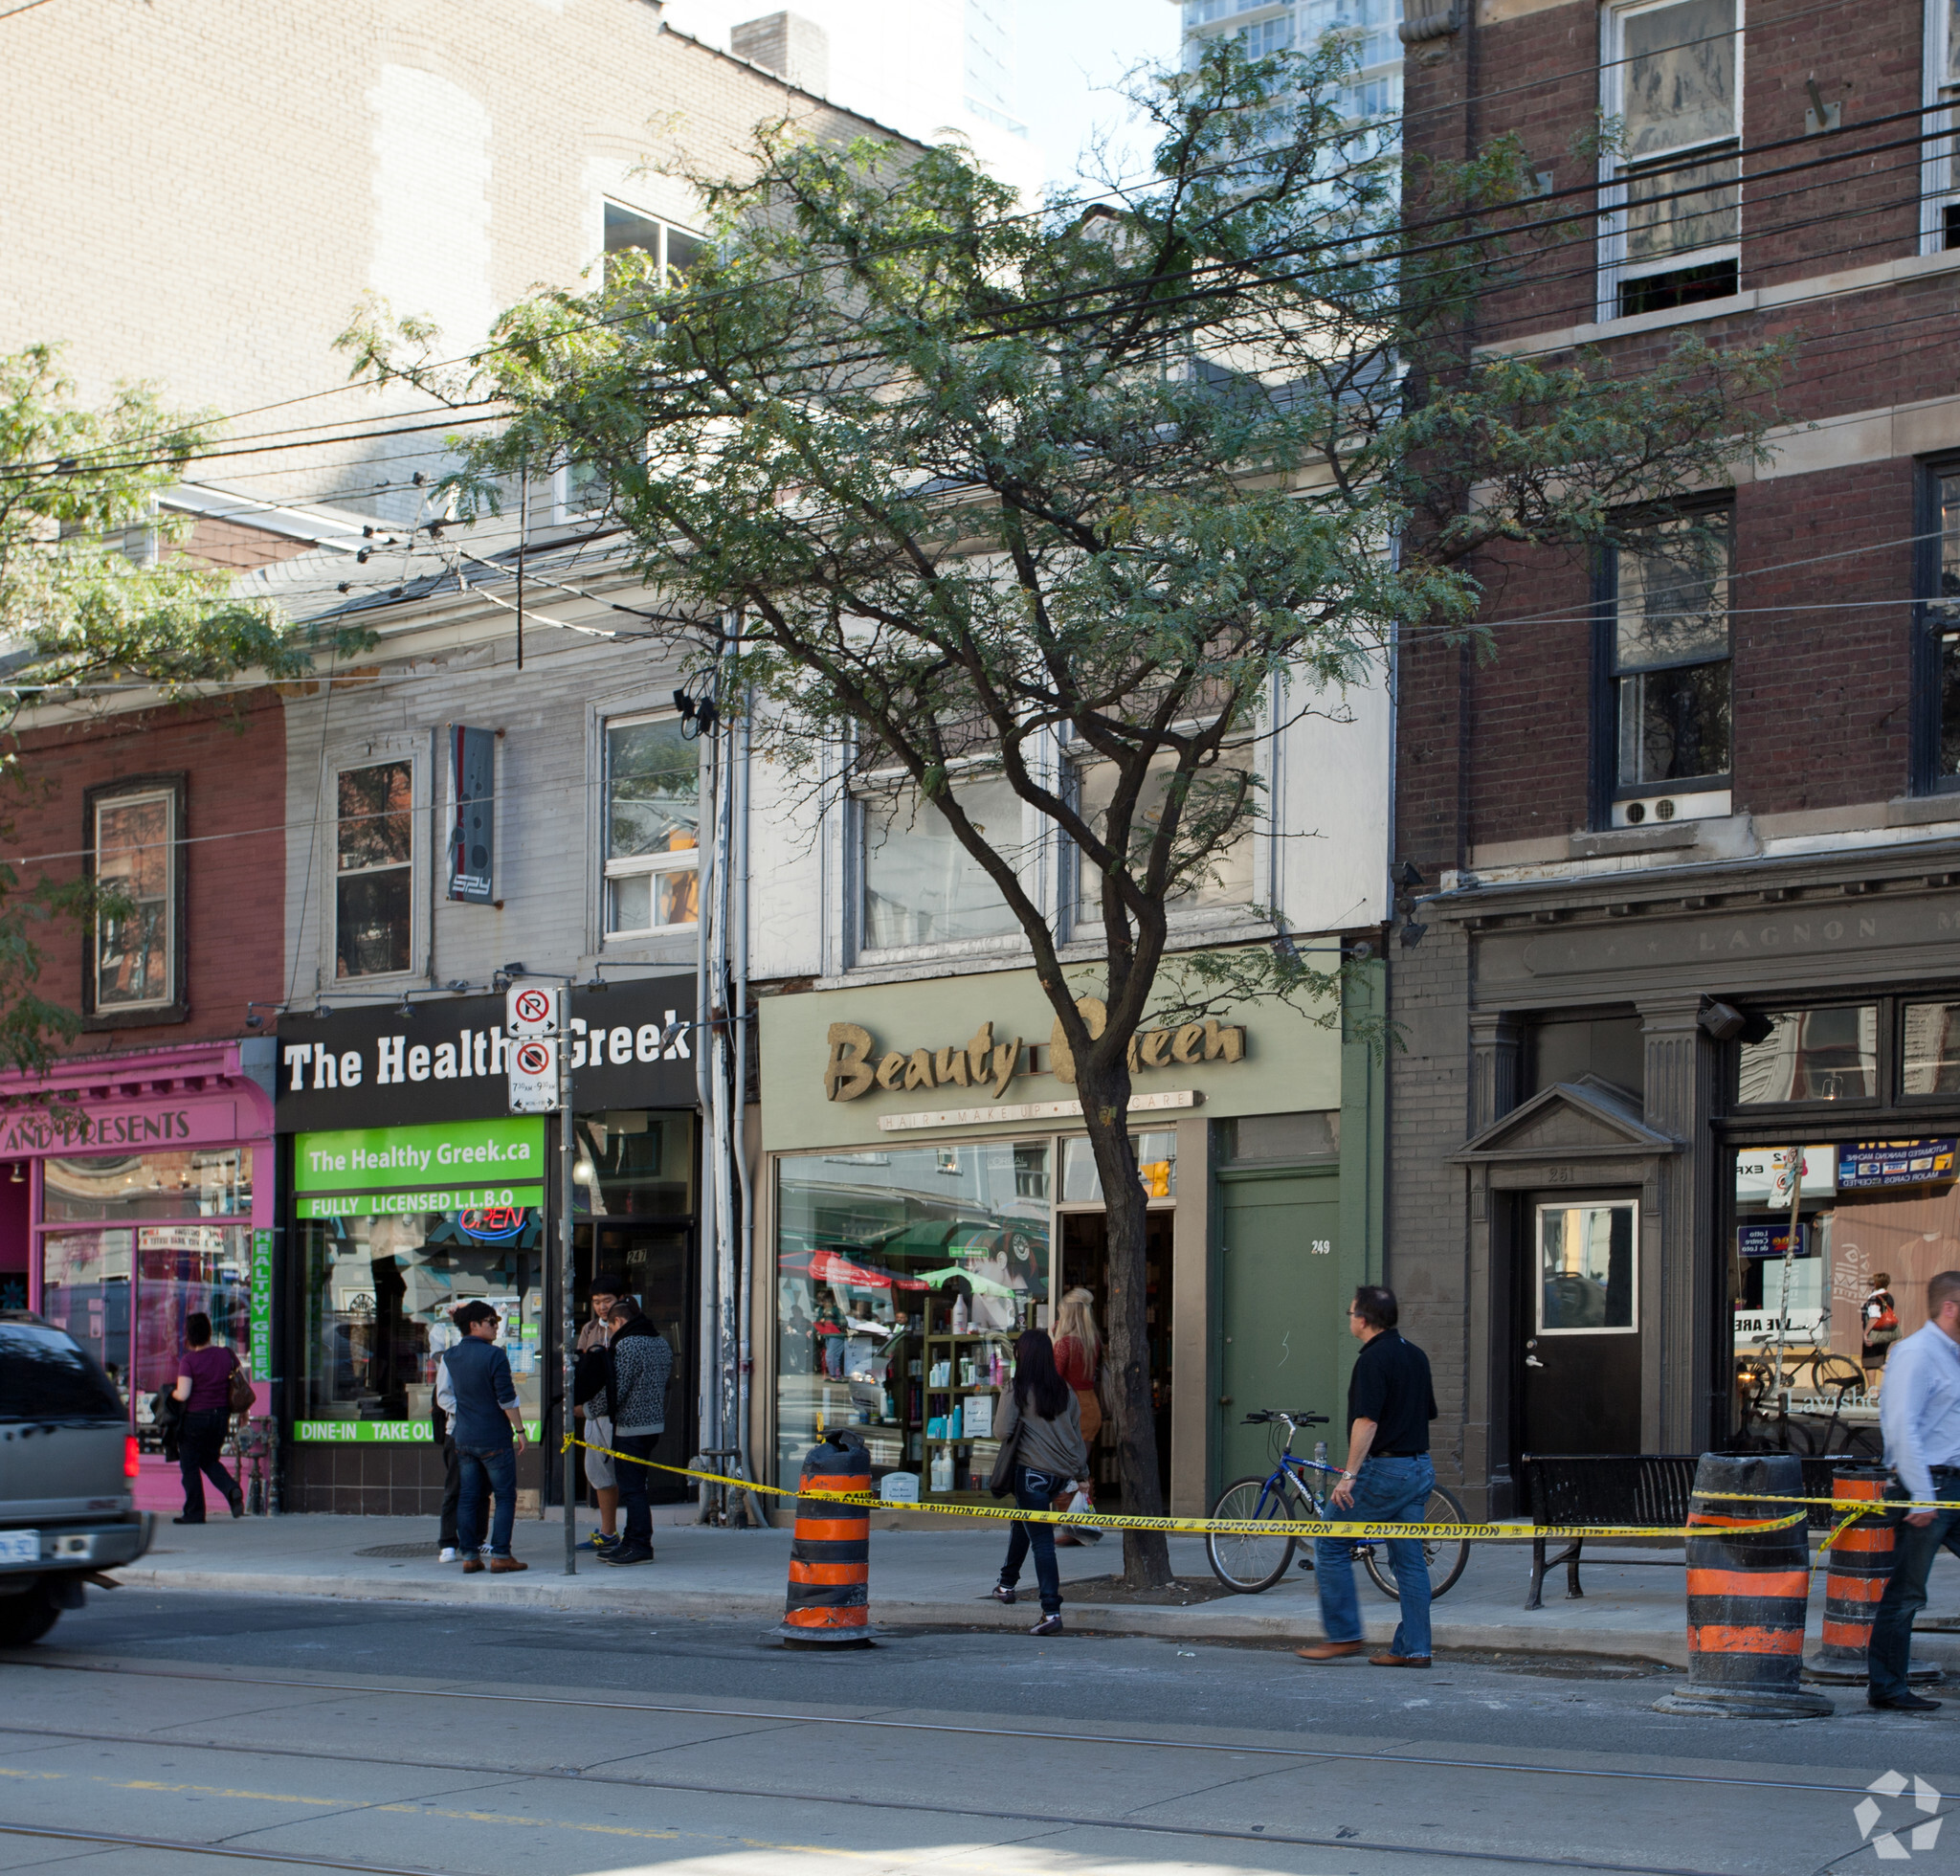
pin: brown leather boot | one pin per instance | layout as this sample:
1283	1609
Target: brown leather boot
1330	1650
504	1565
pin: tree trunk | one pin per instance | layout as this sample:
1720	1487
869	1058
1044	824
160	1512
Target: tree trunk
1105	1090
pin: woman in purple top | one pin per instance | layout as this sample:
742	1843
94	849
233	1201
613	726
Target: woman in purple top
203	1383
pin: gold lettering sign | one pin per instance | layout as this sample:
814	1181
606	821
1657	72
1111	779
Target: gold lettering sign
856	1063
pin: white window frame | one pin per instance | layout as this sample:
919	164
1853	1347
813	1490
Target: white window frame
1940	164
421	760
1614	171
685	860
167	794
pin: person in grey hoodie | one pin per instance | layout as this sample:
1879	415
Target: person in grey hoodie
638	1364
1040	1415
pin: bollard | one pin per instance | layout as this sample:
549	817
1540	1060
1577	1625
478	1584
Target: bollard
827	1605
1746	1593
1860	1565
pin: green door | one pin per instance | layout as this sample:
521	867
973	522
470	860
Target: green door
1281	1310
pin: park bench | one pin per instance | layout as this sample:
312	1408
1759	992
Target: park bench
1627	1488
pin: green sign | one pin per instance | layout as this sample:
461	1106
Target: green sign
456	1166
388	1433
261	1305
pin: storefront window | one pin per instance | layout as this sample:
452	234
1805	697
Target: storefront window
397	1228
1081	1183
379	1292
1932	1048
1814	1055
902	1277
186	1185
123	1295
1875	1220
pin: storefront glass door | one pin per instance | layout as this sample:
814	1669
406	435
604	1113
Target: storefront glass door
1580	1386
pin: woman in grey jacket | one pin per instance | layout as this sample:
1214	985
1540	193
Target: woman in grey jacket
1040	1415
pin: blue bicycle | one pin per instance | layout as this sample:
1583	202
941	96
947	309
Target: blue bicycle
1251	1562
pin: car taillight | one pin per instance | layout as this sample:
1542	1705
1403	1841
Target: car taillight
129	1467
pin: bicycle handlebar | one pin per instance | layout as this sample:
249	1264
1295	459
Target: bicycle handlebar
1301	1419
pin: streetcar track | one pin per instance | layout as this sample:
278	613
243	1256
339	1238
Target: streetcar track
1354	1845
1430	1761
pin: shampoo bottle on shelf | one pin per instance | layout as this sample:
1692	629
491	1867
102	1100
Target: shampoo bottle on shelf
959	1317
943	1469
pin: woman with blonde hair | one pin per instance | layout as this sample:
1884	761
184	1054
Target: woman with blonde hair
1079	1358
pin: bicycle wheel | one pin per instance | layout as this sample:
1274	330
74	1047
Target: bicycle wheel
1446	1557
1246	1562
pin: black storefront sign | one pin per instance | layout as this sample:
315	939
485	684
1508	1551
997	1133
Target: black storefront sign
632	1046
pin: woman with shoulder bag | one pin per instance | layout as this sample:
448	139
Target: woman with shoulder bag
1881	1317
204	1385
1042	1453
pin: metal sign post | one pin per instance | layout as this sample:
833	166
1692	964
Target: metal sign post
539	1069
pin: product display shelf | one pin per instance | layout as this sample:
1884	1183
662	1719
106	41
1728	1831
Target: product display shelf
952	1347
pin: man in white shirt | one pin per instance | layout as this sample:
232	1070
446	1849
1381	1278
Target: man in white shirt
1918	1410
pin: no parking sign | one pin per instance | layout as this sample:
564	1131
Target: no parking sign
535	1020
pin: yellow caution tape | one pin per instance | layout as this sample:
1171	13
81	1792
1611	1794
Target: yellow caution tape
1199	1526
1866	1505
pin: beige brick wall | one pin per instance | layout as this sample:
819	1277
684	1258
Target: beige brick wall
200	191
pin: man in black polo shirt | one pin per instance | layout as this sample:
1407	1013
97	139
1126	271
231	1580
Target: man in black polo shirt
1387	1480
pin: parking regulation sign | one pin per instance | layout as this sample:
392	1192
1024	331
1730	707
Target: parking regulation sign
533	1061
533	1010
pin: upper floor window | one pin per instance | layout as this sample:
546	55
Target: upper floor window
652	827
920	886
375	851
1667	617
1673	211
135	839
671	250
1942	221
1218	817
1937	677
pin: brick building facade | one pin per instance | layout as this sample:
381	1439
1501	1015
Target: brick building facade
1694	830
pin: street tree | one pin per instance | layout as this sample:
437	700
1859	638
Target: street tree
1086	500
95	591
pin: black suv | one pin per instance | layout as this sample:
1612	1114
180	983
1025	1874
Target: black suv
67	1461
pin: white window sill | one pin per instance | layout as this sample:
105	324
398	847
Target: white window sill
1757	300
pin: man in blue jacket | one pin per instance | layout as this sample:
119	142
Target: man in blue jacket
489	1433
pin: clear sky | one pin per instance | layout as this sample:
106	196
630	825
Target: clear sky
899	61
1072	53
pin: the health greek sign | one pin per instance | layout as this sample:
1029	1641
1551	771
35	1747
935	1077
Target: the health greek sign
456	1166
261	1305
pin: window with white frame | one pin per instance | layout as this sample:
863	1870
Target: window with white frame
1215	836
136	857
374	854
1942	226
653	826
670	250
1671	78
920	885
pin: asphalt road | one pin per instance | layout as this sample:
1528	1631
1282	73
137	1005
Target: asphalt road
392	1737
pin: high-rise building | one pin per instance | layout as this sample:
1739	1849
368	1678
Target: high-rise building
1374	91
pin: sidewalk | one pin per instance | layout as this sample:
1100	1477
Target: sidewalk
940	1579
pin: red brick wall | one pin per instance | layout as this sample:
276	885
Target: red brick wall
233	765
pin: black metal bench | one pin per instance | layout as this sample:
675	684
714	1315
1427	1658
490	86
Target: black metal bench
1596	1489
1637	1489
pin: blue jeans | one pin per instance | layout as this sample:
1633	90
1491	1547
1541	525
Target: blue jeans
1914	1548
1387	1491
486	1470
1034	1491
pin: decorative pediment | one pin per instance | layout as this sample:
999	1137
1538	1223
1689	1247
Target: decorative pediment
1587	1119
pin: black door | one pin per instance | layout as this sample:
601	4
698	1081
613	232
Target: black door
1579	1336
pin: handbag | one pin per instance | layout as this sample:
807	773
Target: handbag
239	1395
1000	1481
